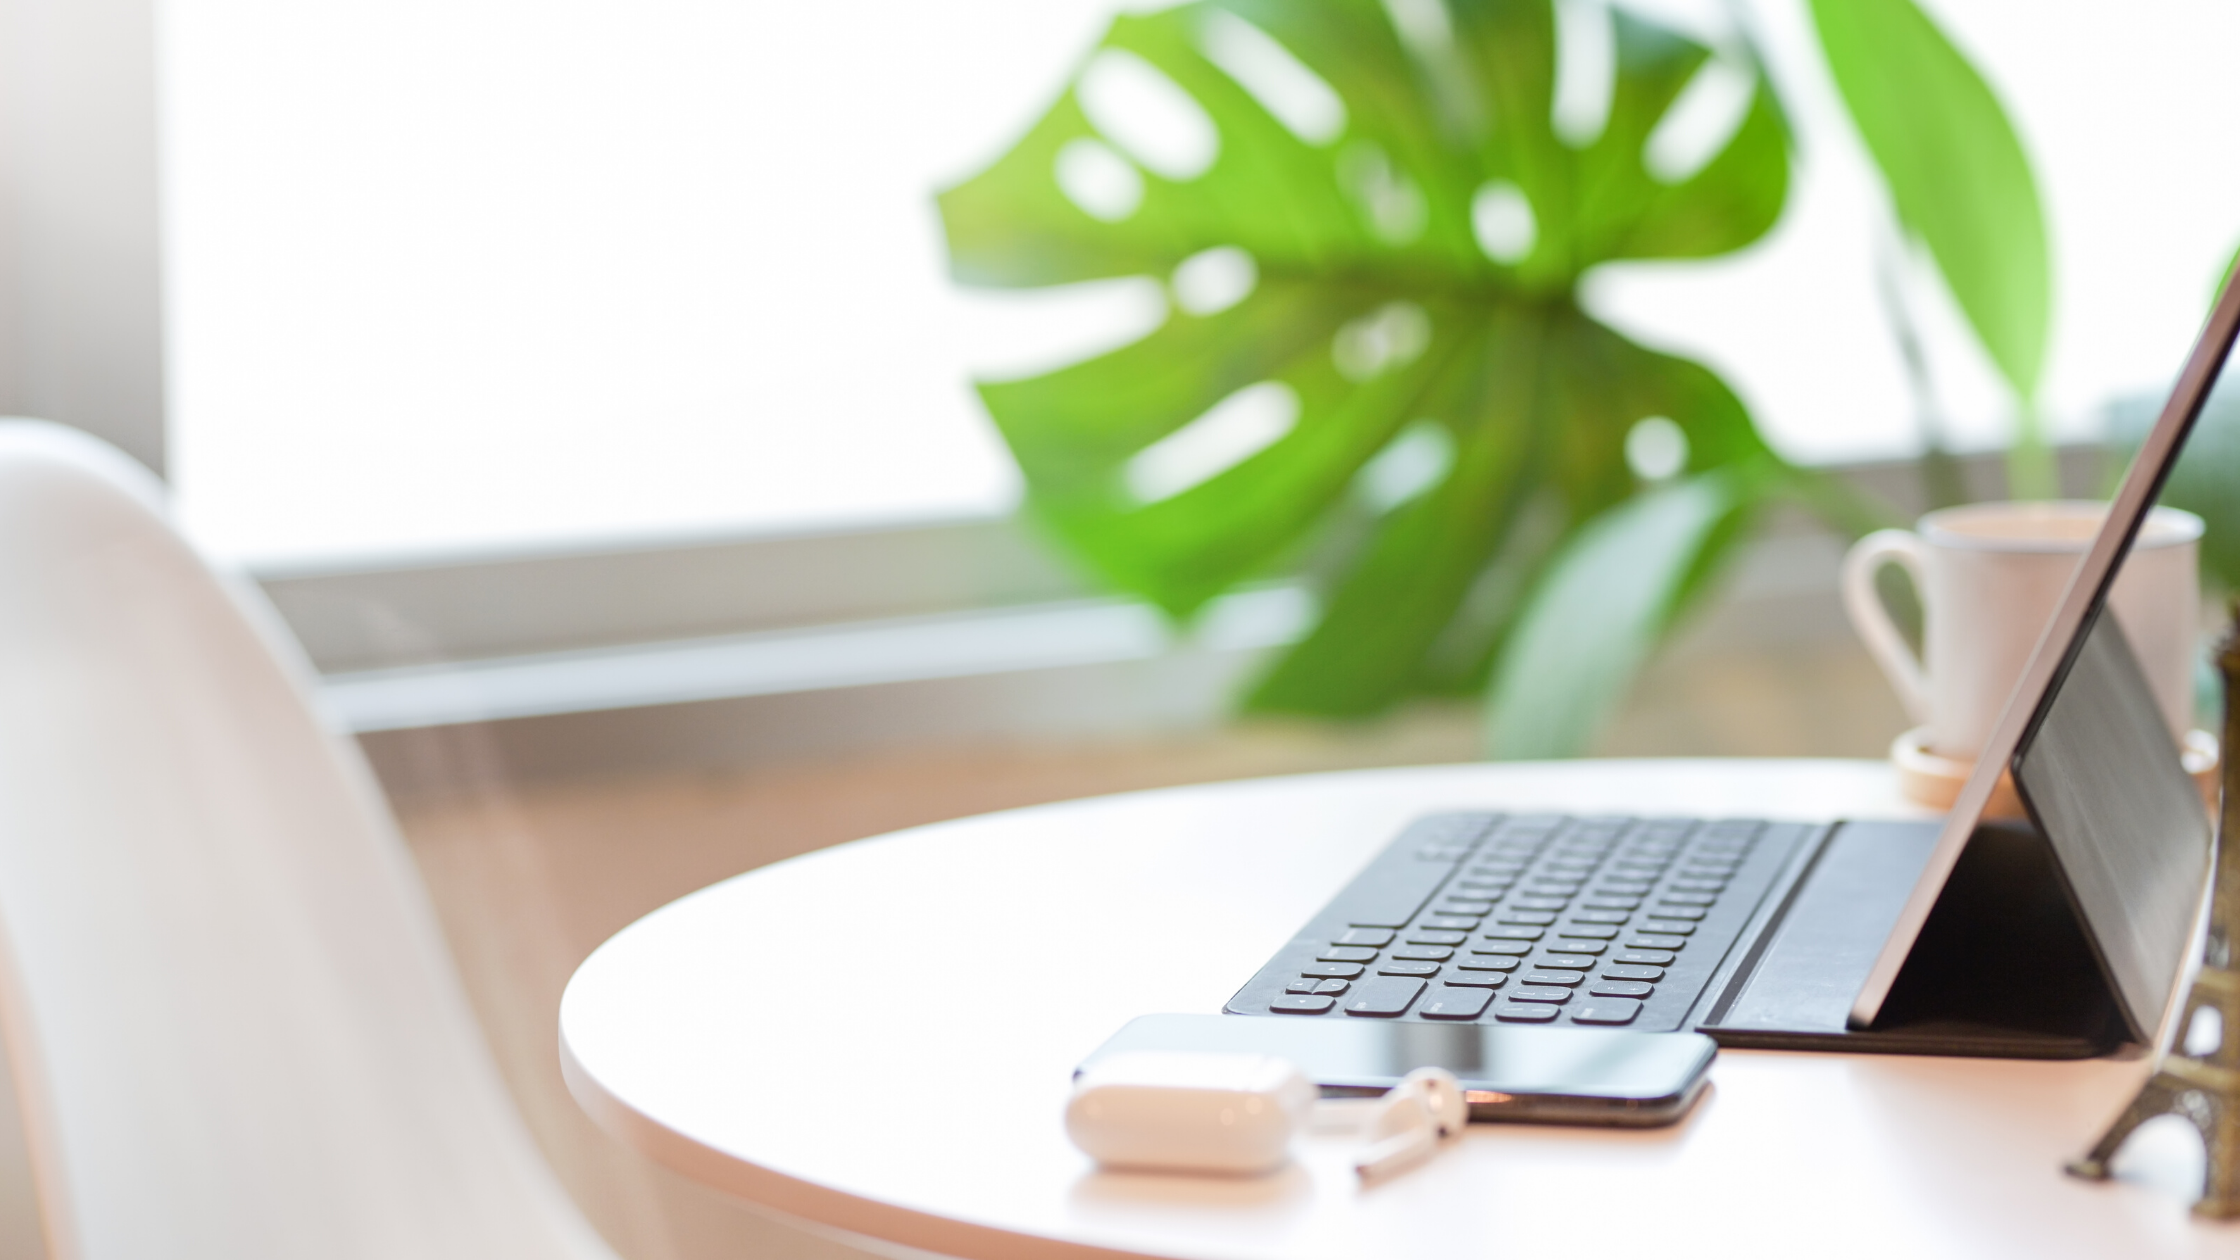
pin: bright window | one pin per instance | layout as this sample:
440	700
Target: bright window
451	276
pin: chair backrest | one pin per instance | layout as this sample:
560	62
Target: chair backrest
235	1027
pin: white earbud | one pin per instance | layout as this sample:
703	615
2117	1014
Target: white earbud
1423	1109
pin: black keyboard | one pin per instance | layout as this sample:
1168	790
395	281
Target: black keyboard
1532	919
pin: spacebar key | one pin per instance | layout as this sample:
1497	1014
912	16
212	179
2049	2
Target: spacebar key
1388	894
1384	996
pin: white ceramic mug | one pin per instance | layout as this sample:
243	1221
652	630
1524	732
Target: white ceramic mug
1989	575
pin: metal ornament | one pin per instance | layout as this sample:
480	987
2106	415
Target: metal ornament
2197	1081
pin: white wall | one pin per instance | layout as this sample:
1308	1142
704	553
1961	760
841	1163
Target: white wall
81	338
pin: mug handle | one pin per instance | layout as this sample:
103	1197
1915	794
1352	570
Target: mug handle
1872	620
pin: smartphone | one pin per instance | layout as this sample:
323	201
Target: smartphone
1517	1074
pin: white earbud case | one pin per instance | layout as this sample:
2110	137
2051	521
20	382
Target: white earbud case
1183	1112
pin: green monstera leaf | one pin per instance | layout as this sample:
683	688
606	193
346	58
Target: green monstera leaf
1961	183
1376	369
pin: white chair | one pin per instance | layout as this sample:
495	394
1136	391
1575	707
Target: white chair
236	1030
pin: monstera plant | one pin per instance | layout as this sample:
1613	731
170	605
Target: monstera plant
1376	370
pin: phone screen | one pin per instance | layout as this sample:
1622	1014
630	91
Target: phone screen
1556	1075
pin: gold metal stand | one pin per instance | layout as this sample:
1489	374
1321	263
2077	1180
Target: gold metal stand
2204	1088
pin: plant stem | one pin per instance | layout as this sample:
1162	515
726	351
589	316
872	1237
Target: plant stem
1941	483
2031	471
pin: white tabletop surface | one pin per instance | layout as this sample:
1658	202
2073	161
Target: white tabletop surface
879	1038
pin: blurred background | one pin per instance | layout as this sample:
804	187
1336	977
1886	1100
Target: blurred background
588	384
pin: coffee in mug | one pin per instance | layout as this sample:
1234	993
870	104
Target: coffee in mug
1989	576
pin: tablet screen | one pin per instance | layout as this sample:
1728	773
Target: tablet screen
2103	783
2107	776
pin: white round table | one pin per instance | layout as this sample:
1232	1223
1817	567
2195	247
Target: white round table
878	1039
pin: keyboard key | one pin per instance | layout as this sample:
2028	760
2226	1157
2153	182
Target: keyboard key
1348	953
1650	974
1537	903
1645	941
1332	971
1456	1004
1678	920
1628	887
1515	949
1527	918
1601	916
1588	931
1408	969
1688	899
1462	905
1701	887
1477	979
1606	1011
1384	997
1374	938
1645	957
1621	989
1424	953
1525	1013
1539	993
1487	962
1605	901
1569	944
1448	923
1566	962
1421	937
1303	1004
1316	986
1565	978
1551	885
1514	932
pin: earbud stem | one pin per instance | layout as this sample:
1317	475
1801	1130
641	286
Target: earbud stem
1395	1154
